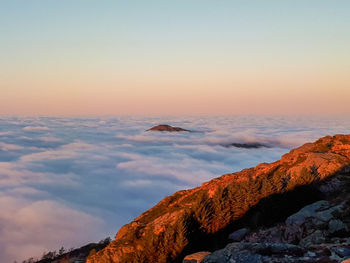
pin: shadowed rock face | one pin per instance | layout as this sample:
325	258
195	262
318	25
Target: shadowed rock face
201	218
167	128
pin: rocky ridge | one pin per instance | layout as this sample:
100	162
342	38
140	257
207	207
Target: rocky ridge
202	218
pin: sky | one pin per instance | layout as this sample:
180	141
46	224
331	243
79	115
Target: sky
69	181
84	57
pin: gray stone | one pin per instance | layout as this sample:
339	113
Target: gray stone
315	238
300	217
256	253
234	253
308	219
286	249
341	251
238	257
311	254
239	234
327	215
336	225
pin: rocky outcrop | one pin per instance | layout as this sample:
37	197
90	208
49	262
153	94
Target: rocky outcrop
310	219
255	253
167	128
202	218
317	233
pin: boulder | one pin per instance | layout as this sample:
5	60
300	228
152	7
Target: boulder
239	234
315	216
336	226
309	211
341	251
233	253
315	238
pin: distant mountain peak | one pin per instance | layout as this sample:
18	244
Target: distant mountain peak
167	128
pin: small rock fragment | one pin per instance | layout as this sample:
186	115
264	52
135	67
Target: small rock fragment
196	257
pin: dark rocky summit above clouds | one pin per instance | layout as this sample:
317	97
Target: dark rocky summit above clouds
247	145
297	207
167	128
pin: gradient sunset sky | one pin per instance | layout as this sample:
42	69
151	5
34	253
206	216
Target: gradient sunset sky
82	57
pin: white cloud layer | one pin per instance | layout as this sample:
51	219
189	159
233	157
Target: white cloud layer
35	128
70	181
29	223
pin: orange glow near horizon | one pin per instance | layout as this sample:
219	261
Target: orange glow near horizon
69	58
241	93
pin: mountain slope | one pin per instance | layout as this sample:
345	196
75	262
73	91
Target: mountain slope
201	218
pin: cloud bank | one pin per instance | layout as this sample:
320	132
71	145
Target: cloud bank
70	181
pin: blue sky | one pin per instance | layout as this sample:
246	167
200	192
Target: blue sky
55	52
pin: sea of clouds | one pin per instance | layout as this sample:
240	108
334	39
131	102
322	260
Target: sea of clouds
70	181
